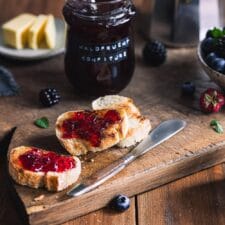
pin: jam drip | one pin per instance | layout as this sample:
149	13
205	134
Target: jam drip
89	125
37	160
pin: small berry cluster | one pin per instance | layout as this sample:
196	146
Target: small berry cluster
213	49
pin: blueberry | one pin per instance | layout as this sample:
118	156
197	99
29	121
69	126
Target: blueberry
210	58
219	65
208	45
188	88
49	97
120	203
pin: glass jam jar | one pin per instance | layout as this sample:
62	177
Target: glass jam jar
99	56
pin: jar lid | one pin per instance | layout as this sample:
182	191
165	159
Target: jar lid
99	9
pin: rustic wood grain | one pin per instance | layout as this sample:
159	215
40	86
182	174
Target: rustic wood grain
188	152
107	216
197	199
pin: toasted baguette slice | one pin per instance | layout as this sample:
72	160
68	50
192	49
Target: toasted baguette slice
52	181
138	126
107	136
116	101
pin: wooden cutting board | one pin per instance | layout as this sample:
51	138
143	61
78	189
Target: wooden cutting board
195	148
156	91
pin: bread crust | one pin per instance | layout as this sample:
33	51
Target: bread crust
137	131
52	181
115	102
138	125
110	137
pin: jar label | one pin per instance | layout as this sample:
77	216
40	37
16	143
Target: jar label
104	53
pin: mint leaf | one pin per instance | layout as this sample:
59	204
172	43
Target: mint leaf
216	32
42	122
215	124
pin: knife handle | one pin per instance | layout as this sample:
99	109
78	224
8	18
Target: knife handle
101	176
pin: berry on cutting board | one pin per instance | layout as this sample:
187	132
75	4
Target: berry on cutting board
120	203
49	97
211	100
154	53
188	88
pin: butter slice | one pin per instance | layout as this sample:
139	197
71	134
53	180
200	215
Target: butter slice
50	32
36	31
15	31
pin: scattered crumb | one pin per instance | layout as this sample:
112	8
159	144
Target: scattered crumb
34	209
39	198
92	160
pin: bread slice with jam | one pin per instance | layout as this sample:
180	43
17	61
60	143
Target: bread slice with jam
138	125
91	131
38	168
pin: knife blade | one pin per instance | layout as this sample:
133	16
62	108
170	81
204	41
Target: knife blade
160	134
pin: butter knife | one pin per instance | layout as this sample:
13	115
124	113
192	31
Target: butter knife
160	134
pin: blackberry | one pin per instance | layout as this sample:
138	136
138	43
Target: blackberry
208	45
208	34
154	53
49	97
220	47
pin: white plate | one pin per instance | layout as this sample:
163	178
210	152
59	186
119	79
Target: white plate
29	54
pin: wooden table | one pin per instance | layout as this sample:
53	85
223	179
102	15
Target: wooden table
196	199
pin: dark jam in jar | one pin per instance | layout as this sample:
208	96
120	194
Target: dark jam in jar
37	160
89	125
99	55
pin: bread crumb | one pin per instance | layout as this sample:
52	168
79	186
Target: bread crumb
92	160
39	198
34	209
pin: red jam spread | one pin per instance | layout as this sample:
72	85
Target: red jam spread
37	160
89	125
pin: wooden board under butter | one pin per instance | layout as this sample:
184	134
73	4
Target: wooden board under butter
156	92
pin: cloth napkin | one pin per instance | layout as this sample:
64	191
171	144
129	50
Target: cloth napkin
8	85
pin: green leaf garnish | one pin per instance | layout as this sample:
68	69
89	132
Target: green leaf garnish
215	124
42	122
217	33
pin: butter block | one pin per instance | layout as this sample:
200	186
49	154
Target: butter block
36	32
50	32
15	31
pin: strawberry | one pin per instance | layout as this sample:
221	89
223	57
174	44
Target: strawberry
211	100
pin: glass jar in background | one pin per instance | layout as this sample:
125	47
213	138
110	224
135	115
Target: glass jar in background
99	55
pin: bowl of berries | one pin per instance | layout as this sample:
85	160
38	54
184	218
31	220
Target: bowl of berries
211	54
